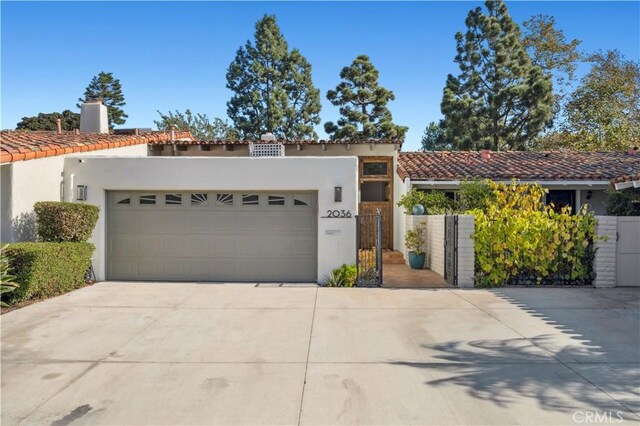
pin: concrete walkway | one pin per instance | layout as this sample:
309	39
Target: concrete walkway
134	353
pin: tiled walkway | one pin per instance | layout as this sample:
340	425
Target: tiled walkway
401	276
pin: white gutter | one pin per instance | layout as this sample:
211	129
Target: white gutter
628	184
588	183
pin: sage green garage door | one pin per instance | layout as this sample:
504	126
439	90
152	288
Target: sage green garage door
212	236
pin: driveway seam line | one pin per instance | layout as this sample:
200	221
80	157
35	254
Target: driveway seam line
306	367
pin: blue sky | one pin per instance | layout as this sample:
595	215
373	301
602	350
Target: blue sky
172	55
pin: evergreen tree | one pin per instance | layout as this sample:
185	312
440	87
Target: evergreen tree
273	89
47	121
363	105
433	138
109	89
500	100
200	126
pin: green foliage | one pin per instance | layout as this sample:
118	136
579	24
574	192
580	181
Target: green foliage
500	100
434	201
603	113
344	276
625	202
475	195
105	86
47	121
7	280
272	88
200	126
60	221
518	237
363	105
48	269
414	239
550	50
433	138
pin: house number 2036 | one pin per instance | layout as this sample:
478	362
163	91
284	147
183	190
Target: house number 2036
338	214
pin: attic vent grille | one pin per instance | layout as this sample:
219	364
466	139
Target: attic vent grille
266	150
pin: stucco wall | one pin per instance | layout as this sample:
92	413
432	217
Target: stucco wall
596	203
37	180
336	237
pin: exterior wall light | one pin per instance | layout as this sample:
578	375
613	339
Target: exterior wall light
337	194
81	193
589	194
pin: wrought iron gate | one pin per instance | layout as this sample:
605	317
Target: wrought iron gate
451	249
369	250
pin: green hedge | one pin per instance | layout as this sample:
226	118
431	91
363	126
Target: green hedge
47	269
59	221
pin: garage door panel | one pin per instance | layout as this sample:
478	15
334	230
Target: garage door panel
125	246
214	242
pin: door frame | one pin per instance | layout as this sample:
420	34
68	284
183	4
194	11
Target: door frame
388	179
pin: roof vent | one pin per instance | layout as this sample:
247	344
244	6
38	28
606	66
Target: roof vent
268	137
633	151
486	154
93	116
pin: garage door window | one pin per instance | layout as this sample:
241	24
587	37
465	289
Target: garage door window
148	199
276	200
301	199
199	199
250	200
173	199
123	199
224	199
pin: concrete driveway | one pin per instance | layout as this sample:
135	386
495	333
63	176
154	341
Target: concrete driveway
144	353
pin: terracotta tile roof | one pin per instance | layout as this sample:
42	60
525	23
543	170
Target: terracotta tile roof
27	145
285	142
627	178
525	165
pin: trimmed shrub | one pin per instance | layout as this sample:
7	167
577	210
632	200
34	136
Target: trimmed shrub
475	195
61	221
47	269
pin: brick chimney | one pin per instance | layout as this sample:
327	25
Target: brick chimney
485	154
93	116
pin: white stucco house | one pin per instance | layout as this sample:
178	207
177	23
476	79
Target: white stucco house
177	209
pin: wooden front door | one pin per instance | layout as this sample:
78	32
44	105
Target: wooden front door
376	192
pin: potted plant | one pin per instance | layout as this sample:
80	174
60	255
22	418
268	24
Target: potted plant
414	240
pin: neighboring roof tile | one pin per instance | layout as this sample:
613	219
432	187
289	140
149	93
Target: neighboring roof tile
627	178
28	145
285	142
525	165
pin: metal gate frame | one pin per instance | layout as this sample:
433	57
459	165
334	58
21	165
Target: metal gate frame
369	250
451	249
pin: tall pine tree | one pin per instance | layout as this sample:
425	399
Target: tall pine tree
363	105
105	86
500	100
273	89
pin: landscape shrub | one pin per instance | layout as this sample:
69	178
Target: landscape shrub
475	194
433	201
625	202
65	222
7	280
344	276
519	240
46	269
